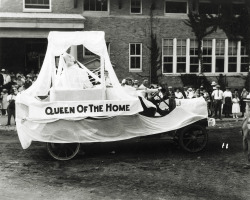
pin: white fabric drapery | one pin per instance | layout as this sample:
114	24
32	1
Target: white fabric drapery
80	128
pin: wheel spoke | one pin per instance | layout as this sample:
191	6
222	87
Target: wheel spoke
188	143
193	138
63	151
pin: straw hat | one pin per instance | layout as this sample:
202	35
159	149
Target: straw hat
247	98
213	83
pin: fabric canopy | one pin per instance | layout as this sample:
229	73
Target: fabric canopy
58	43
35	121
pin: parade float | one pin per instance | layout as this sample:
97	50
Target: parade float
64	118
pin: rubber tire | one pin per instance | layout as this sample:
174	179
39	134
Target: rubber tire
59	151
188	137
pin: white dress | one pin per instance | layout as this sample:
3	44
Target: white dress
235	106
74	77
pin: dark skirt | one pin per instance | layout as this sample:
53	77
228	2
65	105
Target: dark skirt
227	107
242	106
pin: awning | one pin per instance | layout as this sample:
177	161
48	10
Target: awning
29	24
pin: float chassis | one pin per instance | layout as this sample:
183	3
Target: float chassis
192	138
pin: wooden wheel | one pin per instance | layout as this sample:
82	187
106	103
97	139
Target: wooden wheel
193	138
63	151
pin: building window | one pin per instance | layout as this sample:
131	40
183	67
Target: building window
179	6
194	61
181	55
136	6
219	55
95	5
135	56
238	8
37	4
244	67
208	8
207	55
168	50
232	56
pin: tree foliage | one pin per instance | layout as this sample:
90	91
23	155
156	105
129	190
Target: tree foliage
155	59
202	25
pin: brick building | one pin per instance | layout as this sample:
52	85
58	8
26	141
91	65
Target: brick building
127	23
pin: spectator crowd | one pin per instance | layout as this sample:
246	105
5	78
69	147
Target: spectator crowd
228	103
10	85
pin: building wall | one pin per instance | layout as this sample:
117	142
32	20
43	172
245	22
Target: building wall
11	6
121	28
120	32
58	6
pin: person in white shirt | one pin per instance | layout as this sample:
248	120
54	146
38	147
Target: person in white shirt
217	97
6	77
178	94
107	79
11	110
73	76
190	94
227	103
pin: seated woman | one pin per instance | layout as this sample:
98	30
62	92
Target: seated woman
150	107
73	76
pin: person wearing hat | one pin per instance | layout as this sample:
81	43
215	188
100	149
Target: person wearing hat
213	84
243	96
227	103
6	77
1	81
190	94
136	84
217	96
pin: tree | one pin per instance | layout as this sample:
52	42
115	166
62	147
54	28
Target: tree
202	25
155	62
236	26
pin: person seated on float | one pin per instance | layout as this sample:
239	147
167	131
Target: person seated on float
136	84
73	76
150	106
107	79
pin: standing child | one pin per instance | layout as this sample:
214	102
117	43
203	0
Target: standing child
1	103
4	102
235	106
11	106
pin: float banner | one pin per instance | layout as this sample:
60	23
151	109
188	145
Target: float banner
61	110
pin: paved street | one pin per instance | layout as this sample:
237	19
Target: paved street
127	170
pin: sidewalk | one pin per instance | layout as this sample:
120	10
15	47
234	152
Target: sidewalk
3	122
230	119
